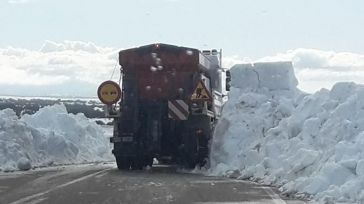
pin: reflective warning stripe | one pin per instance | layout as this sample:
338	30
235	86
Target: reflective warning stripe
178	110
181	106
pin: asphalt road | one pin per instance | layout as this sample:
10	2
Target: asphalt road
105	184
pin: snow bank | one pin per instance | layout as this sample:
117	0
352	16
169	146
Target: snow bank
307	144
50	136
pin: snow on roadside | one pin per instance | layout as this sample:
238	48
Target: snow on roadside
307	144
50	136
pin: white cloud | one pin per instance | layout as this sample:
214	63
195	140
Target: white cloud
77	68
311	58
50	46
56	65
230	61
172	0
18	1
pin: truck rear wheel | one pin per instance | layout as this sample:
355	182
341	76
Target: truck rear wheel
148	161
123	163
194	150
137	164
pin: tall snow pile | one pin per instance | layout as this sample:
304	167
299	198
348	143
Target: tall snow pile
307	144
50	136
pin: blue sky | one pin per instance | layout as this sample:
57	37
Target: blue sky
323	38
251	28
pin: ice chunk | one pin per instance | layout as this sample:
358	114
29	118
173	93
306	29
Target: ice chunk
306	144
273	76
24	164
49	136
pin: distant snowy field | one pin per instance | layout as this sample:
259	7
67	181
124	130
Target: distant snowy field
273	133
50	137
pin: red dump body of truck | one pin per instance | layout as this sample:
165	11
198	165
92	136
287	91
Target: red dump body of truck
163	72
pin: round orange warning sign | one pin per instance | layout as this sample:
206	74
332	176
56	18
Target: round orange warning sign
109	92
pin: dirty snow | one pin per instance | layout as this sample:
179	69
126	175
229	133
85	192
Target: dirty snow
50	136
273	133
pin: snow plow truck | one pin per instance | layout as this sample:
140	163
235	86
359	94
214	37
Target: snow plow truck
169	101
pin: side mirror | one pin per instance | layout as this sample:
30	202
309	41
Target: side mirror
227	80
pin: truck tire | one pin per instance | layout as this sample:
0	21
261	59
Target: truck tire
187	151
137	164
148	161
195	145
123	163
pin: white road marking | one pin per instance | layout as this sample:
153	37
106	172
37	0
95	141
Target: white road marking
37	201
101	175
275	197
88	193
29	198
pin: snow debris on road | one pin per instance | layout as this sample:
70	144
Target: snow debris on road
273	133
50	136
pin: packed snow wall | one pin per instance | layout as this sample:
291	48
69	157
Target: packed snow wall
50	136
273	133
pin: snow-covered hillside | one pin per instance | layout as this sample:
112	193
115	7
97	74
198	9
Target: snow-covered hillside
307	144
50	136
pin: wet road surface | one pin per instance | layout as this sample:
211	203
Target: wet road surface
103	183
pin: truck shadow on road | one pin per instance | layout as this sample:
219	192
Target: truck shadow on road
158	169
